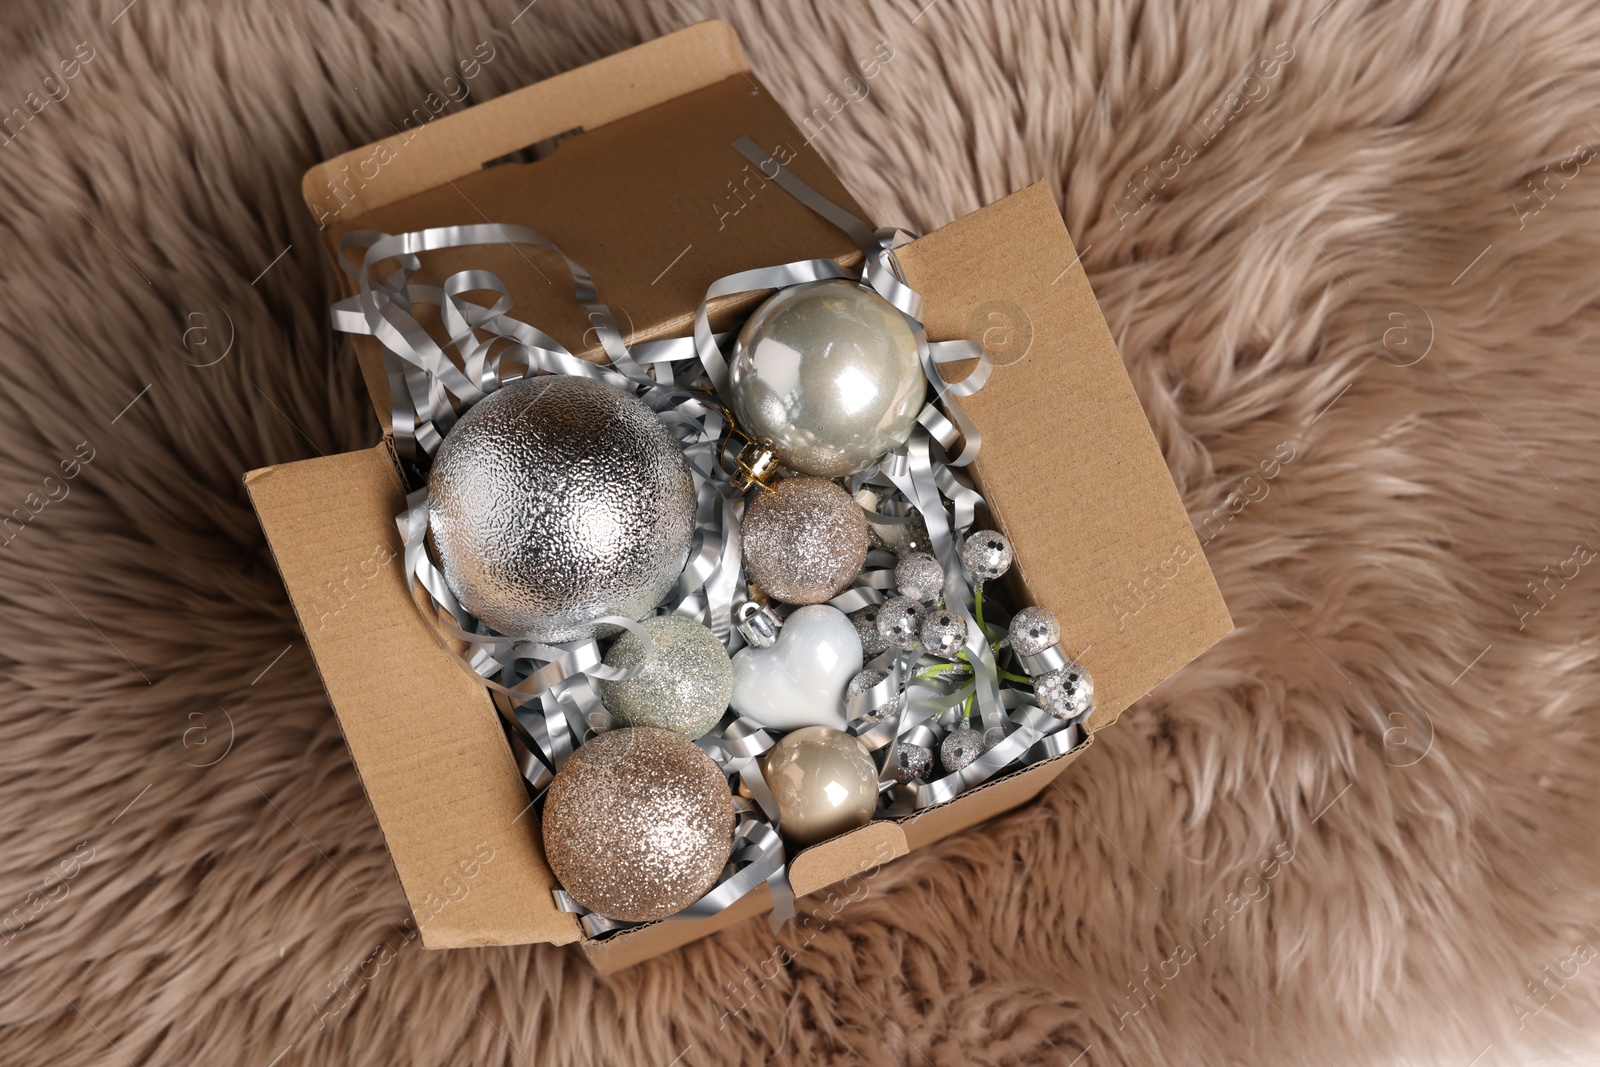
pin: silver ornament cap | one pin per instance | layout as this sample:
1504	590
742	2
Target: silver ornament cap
828	372
556	500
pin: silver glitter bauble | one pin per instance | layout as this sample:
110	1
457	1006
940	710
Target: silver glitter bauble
865	621
1066	692
960	747
804	541
638	824
919	576
556	500
686	682
829	373
900	622
865	681
824	782
1034	629
943	633
908	761
987	555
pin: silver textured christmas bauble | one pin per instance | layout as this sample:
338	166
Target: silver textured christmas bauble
987	555
638	824
943	633
865	681
865	621
1066	692
909	761
804	541
900	622
686	682
960	747
556	500
1034	629
919	576
824	782
829	372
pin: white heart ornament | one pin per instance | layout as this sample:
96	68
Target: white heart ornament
800	681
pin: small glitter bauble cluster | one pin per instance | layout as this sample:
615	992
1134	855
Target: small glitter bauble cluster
960	747
1066	692
866	623
919	576
909	761
900	622
987	555
556	500
686	682
804	541
638	824
865	681
943	633
1034	629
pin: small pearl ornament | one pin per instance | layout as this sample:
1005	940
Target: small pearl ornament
919	576
1034	629
900	622
987	555
824	782
1066	692
865	621
943	633
960	748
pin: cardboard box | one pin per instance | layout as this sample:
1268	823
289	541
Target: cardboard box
650	198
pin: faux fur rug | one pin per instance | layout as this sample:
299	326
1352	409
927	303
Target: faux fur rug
1348	254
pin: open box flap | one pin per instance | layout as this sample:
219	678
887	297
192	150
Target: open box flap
424	736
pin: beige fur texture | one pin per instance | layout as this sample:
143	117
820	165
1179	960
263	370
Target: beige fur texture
1363	826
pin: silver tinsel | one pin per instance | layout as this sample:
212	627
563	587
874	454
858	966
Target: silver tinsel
1034	629
960	748
556	500
900	622
1066	692
909	761
987	555
865	621
865	681
943	633
919	576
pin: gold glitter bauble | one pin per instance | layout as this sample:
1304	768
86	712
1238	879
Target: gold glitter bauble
804	541
638	824
824	781
686	682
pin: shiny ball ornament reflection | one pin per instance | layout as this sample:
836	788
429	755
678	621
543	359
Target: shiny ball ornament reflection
804	541
556	500
638	824
829	373
824	781
686	680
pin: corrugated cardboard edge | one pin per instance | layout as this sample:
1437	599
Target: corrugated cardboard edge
592	95
423	735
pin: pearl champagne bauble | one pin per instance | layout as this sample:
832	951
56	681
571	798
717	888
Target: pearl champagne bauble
638	824
686	682
557	500
824	781
829	373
